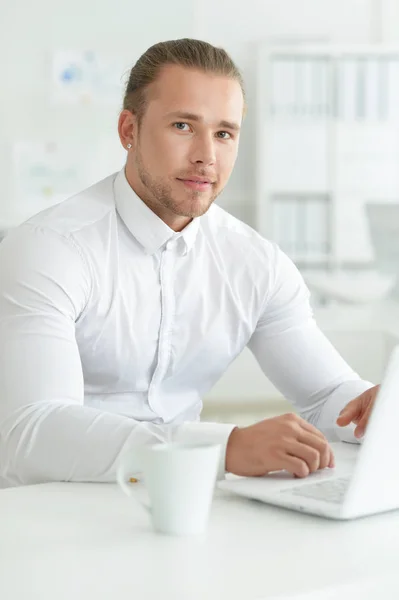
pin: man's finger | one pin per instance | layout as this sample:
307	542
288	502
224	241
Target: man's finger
361	427
349	413
331	465
321	445
296	466
310	455
308	427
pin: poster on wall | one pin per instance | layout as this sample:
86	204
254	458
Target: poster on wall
44	173
86	78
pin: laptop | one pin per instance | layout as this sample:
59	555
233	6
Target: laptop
365	480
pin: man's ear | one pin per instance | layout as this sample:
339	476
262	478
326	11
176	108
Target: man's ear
127	128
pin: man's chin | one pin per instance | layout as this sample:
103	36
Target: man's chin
194	213
195	208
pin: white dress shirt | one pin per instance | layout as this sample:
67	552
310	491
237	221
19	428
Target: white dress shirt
113	327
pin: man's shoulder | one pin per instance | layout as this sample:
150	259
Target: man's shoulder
83	210
231	230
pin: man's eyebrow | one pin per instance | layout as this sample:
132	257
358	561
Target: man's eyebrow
194	117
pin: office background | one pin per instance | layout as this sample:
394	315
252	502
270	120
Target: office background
54	143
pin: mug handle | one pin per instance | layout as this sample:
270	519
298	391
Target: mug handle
121	477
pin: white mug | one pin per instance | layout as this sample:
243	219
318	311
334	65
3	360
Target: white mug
180	480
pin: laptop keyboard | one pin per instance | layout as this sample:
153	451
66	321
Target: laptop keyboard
331	490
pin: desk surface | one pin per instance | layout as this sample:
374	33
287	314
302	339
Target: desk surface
87	541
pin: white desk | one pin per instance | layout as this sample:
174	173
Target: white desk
89	542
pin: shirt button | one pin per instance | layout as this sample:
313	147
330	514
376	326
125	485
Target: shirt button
170	245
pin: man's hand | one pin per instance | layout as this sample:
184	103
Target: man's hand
284	442
358	411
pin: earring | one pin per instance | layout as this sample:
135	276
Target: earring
129	146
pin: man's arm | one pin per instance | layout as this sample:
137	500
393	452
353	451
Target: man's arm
46	432
297	357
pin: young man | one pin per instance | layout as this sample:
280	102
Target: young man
122	306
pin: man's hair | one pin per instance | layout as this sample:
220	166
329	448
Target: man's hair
186	52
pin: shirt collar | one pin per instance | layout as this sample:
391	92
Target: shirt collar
148	229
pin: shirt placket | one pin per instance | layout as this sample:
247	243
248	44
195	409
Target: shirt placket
166	274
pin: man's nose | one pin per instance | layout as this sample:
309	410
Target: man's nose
203	152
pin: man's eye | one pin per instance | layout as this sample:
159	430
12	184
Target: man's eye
180	126
224	135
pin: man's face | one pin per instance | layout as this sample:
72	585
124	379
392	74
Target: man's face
185	148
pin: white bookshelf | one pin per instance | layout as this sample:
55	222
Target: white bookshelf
327	130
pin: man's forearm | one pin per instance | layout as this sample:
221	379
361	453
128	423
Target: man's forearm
67	442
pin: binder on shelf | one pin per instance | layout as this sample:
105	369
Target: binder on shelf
360	85
324	100
299	75
309	108
383	88
346	81
284	224
393	89
374	107
299	87
317	226
336	137
366	87
301	225
291	104
276	88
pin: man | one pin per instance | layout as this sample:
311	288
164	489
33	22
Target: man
122	306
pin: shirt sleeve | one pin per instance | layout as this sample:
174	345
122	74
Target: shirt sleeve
46	432
298	358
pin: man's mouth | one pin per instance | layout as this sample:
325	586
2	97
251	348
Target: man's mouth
196	183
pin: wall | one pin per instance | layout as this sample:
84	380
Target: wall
29	33
390	21
238	25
